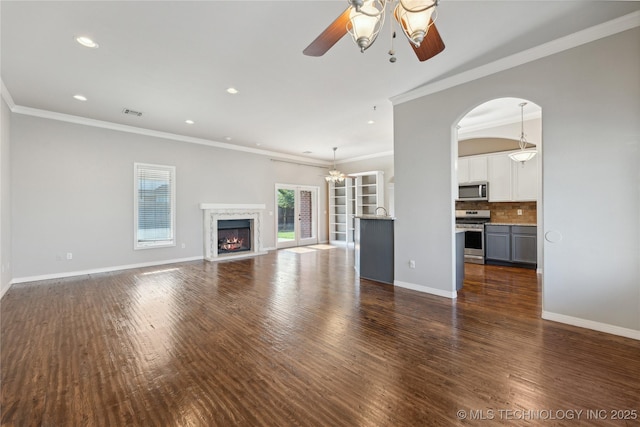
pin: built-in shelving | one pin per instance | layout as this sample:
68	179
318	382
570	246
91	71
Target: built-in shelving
361	194
341	211
369	188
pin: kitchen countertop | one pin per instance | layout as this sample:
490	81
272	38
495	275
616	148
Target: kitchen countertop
382	217
512	223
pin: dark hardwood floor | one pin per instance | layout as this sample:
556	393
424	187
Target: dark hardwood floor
295	339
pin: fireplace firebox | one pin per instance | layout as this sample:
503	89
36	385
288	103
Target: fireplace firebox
234	235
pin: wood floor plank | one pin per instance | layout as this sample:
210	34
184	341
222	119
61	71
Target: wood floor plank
297	339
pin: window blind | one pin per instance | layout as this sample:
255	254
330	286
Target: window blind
155	201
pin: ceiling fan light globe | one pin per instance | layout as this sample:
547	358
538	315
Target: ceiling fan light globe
417	37
364	24
363	43
415	25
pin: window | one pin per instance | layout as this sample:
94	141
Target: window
154	205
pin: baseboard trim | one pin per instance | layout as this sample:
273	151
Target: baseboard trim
101	270
590	324
426	289
4	291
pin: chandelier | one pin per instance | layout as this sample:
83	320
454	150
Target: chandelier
334	174
524	153
367	17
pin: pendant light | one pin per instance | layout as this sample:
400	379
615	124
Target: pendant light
334	174
524	153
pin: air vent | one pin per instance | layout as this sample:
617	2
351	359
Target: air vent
131	112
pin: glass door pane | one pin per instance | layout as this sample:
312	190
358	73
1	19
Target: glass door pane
297	215
286	216
307	216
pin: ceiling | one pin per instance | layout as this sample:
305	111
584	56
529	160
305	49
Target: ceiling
174	60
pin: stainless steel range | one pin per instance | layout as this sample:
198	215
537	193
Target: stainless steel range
472	222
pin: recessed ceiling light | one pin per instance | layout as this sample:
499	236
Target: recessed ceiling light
228	138
232	90
306	152
189	122
80	97
87	42
370	122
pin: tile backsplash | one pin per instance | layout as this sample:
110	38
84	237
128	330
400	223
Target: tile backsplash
505	212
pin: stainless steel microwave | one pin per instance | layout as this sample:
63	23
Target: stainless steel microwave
473	191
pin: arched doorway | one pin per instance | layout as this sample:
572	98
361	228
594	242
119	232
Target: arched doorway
508	216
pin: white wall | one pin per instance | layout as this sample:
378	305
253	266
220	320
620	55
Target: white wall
5	198
73	192
590	98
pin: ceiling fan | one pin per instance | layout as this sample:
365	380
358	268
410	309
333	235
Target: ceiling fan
364	18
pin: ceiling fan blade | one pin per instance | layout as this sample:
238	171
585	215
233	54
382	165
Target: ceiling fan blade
330	36
430	46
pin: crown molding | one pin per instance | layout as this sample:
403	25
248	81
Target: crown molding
499	122
45	114
579	38
366	157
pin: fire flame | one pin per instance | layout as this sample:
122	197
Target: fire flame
230	244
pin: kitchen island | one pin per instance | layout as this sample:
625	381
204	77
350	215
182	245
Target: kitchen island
374	247
459	259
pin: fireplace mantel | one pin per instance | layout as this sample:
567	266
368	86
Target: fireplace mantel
213	212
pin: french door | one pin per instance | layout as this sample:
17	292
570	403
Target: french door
297	217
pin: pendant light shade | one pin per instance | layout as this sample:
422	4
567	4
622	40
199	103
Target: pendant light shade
524	154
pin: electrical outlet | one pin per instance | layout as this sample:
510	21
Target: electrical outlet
184	246
69	256
519	211
412	263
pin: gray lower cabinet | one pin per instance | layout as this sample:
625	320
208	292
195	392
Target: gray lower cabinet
514	244
374	249
524	248
497	242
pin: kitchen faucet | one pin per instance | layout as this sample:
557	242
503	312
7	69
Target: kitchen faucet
384	209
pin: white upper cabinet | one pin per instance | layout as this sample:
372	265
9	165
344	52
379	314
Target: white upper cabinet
477	168
499	178
463	170
525	180
472	169
511	181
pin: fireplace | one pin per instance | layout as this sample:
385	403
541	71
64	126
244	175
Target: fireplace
232	231
234	235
